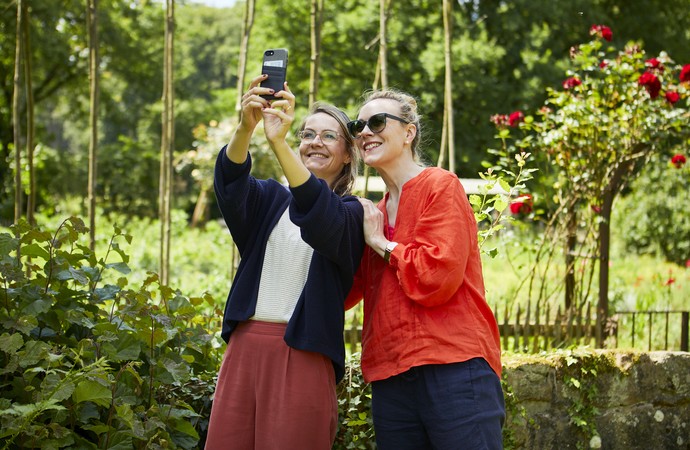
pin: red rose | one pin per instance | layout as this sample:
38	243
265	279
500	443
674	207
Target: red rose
654	63
672	97
678	160
520	208
571	83
515	118
601	31
523	205
606	33
685	73
651	83
603	64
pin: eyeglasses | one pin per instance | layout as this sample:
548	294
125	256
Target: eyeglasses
327	136
376	124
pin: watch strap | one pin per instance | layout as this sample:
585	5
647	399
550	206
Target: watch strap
388	250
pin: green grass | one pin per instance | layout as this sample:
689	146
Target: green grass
201	263
637	282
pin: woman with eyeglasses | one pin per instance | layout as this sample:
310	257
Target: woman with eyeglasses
430	342
300	247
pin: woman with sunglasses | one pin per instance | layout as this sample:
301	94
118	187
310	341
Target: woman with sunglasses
300	247
430	342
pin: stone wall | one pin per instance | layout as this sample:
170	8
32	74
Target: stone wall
597	399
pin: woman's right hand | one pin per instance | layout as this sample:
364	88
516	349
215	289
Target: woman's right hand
253	103
252	106
373	226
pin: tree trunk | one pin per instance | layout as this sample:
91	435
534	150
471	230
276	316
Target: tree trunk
247	24
92	22
609	195
19	51
448	127
604	252
316	22
570	243
30	129
200	214
167	143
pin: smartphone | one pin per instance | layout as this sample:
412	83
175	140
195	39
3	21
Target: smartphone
275	66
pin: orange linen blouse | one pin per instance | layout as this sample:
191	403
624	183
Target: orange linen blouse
427	306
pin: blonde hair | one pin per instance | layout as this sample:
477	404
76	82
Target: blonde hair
345	181
408	111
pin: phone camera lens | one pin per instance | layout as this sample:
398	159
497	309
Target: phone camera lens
269	53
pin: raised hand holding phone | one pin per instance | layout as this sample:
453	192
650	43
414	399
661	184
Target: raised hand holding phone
278	117
253	103
277	122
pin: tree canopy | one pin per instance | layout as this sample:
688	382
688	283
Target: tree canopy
504	56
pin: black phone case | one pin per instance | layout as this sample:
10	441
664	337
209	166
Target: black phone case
275	80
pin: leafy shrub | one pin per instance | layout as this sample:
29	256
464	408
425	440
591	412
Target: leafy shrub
654	216
92	366
356	427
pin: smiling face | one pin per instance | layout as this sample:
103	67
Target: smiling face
389	145
325	161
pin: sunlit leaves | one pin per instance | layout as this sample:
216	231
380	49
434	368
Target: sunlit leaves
80	354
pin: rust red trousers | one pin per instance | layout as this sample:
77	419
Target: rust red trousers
271	396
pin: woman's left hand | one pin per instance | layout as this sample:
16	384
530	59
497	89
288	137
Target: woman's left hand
279	116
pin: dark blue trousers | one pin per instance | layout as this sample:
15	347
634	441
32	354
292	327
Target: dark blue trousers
440	407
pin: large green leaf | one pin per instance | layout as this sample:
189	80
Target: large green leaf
36	251
10	343
120	440
7	244
92	391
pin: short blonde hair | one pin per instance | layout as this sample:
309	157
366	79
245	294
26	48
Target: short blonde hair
408	111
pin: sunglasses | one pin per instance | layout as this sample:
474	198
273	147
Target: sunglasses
376	123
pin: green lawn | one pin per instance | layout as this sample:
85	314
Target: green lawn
201	262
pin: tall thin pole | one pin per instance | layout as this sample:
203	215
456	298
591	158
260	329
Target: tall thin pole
167	143
92	21
19	49
31	201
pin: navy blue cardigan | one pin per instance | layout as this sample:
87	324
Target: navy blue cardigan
330	224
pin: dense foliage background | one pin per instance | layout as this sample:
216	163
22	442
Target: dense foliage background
505	54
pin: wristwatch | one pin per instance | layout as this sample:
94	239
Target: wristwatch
387	252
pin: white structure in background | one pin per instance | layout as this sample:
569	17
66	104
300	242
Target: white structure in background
471	185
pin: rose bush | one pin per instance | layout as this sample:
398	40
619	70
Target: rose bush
615	111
